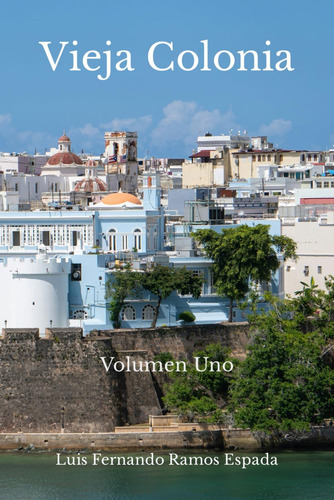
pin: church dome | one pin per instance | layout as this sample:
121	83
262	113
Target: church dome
64	138
90	185
64	158
90	163
121	200
64	155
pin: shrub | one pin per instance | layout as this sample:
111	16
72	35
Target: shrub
187	316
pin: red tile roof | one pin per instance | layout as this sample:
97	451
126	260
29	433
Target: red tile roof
205	153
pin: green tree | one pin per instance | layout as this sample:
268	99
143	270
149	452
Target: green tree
122	285
200	393
163	280
286	381
243	256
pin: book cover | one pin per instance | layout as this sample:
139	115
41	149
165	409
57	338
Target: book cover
93	94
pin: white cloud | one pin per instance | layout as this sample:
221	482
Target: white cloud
88	129
277	127
5	121
184	121
140	125
21	140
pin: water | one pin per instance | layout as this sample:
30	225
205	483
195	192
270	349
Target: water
307	475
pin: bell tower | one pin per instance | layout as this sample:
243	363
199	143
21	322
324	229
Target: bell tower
64	144
121	163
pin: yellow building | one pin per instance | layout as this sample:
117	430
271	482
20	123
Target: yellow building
245	163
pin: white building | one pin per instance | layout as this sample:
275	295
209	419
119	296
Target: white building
315	252
212	142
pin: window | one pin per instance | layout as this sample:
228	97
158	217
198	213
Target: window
112	240
36	188
253	158
212	287
148	313
137	239
45	238
319	269
259	158
75	272
269	157
125	242
16	187
155	240
199	273
306	270
288	269
75	238
332	184
128	313
318	184
16	238
326	184
80	314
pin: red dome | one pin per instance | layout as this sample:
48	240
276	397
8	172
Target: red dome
90	185
90	162
66	158
64	138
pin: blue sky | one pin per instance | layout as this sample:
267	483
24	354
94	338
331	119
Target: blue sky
168	109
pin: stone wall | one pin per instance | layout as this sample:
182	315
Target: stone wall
181	341
47	384
58	383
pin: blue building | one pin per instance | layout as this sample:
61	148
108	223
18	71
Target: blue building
56	264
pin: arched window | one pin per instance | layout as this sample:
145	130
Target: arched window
148	313
253	158
112	240
137	239
128	313
80	314
269	157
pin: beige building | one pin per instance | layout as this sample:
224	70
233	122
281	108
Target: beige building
207	168
315	252
245	164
